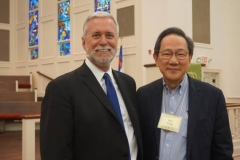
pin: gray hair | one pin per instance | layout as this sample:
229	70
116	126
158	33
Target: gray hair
98	14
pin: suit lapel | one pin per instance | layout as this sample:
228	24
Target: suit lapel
193	109
128	102
157	108
122	87
91	82
130	108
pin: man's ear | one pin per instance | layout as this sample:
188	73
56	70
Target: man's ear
155	57
83	43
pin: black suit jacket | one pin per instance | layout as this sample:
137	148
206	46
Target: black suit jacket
79	123
208	133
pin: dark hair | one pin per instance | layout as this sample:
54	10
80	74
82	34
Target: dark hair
177	31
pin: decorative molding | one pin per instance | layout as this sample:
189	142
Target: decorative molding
117	1
202	45
150	65
212	70
81	7
5	26
233	99
46	18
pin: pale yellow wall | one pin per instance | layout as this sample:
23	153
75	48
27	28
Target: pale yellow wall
151	17
49	62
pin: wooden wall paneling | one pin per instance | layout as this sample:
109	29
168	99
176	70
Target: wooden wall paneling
78	19
22	70
4	45
5	70
48	69
22	53
63	67
48	39
21	12
5	11
47	7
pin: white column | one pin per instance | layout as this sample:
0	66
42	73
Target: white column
28	137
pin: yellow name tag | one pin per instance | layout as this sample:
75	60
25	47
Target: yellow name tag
170	122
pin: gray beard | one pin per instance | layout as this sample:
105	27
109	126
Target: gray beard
99	61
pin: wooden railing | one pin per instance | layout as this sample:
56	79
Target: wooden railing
234	120
16	98
44	75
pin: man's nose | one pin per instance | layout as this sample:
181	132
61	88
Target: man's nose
103	40
173	59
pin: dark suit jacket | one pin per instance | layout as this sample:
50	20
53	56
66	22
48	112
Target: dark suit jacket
208	133
79	123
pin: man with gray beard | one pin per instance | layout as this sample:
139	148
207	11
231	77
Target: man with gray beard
79	118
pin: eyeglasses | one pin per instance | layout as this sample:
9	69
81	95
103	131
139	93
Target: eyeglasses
167	54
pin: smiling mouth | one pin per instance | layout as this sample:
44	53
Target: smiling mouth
173	69
103	50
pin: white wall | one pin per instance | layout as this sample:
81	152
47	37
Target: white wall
232	54
225	35
158	15
151	17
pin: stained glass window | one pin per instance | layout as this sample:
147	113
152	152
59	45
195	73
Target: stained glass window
64	21
34	53
102	5
64	49
33	4
64	27
33	29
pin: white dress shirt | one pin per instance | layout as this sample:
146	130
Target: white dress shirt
126	119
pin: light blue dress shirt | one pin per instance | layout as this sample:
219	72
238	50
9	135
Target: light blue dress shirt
172	144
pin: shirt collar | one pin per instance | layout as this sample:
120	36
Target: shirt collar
96	71
180	88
